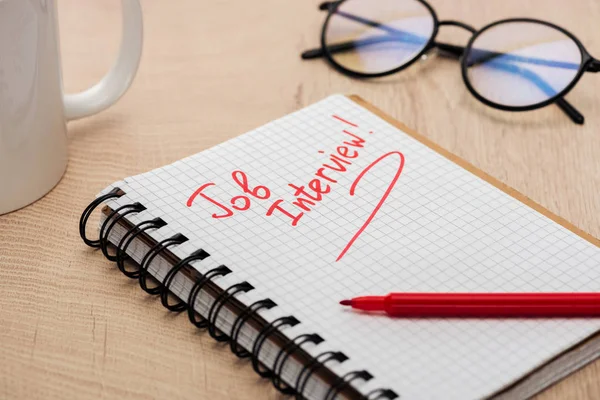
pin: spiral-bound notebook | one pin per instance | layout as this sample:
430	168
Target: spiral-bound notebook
257	240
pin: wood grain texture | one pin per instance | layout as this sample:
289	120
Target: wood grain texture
72	327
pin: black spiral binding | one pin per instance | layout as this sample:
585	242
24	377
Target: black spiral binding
313	366
218	304
287	351
192	314
111	221
241	320
154	251
262	337
128	238
163	289
345	381
381	394
114	193
197	255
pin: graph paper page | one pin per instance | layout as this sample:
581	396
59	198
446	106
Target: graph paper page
332	202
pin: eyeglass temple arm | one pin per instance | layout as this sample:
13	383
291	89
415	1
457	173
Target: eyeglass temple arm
537	80
456	51
342	47
326	5
575	116
502	62
594	66
353	44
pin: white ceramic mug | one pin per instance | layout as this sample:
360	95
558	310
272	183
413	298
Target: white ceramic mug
33	108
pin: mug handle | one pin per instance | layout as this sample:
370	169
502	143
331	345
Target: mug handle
116	82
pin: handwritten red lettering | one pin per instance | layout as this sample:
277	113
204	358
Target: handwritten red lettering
198	192
300	191
276	207
357	142
306	196
301	202
321	174
244	207
343	151
315	185
239	203
344	121
381	201
242	180
336	164
339	168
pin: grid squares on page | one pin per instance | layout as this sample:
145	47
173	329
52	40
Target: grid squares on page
441	229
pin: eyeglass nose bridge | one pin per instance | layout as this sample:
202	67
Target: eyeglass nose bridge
449	50
450	22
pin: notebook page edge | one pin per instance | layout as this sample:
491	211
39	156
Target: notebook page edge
554	370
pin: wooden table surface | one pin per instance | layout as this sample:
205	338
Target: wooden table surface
72	327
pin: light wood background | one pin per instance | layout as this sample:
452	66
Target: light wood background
72	327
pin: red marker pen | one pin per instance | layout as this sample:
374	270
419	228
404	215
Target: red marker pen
481	305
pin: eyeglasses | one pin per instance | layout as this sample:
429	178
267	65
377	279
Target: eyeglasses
517	64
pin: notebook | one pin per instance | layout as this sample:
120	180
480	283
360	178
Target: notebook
338	200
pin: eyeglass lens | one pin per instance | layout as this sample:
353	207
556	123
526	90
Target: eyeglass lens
521	63
372	37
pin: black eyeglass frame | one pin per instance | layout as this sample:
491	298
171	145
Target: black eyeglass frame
587	64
